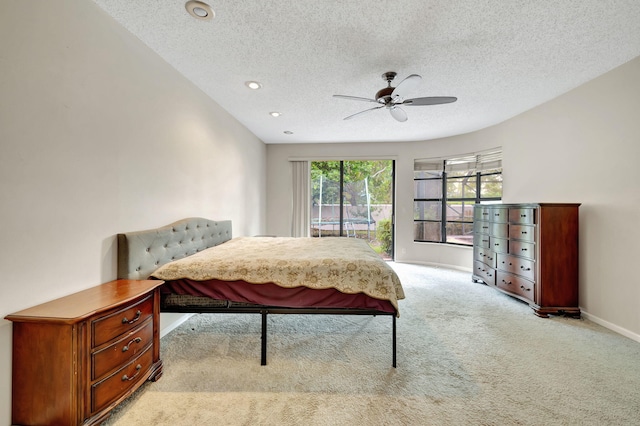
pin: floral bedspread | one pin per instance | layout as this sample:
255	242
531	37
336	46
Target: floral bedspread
345	264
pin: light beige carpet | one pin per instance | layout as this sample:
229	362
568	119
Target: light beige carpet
467	355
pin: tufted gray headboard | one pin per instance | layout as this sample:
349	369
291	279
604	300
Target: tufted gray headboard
142	252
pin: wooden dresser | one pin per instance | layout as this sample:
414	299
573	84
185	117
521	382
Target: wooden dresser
77	357
529	251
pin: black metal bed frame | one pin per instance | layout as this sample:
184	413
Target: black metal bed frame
265	310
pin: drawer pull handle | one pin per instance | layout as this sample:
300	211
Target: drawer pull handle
524	288
523	249
136	318
507	283
525	269
523	215
136	340
126	378
524	232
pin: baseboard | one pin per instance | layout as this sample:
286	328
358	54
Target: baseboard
627	333
437	265
168	328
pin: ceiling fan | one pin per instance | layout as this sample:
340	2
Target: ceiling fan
392	97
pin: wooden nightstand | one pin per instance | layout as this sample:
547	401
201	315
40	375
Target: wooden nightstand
77	357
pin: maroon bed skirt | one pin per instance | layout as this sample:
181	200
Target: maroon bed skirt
270	294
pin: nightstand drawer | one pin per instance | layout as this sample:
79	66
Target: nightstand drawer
121	321
121	351
116	385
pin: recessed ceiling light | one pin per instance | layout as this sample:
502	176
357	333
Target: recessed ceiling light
199	10
288	132
254	85
275	114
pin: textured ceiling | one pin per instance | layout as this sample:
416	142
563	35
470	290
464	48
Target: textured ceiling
498	57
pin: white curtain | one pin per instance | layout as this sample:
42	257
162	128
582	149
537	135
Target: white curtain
301	199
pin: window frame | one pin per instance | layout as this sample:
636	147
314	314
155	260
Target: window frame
442	173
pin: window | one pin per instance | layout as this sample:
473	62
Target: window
354	199
445	191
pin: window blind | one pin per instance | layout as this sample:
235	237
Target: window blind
474	162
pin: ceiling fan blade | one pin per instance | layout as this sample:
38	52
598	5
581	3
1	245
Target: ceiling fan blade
433	100
406	86
398	113
355	98
362	112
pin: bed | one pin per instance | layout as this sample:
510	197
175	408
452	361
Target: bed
207	271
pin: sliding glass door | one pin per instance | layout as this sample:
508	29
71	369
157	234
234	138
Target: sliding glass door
354	199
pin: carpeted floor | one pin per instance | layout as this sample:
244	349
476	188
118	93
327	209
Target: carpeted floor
467	355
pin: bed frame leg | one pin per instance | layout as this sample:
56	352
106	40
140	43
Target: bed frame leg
394	340
263	355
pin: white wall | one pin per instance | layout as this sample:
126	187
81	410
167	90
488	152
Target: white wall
587	146
98	135
583	147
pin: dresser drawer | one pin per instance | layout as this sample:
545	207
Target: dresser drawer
120	352
517	266
481	227
521	248
500	230
481	240
488	275
117	384
480	213
524	216
121	321
516	285
522	232
499	215
499	245
485	256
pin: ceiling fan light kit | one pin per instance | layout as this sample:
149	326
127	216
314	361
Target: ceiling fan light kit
392	98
